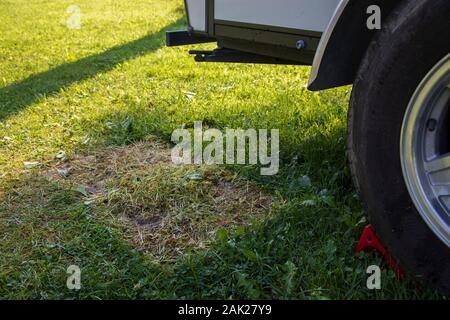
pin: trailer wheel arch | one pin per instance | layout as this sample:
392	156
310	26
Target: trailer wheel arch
345	42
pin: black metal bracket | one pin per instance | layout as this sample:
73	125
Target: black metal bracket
181	38
235	56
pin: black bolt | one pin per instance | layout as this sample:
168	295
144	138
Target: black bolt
301	44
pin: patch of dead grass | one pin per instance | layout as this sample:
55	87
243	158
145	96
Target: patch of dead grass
163	209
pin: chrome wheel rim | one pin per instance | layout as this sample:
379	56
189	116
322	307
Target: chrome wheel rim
425	149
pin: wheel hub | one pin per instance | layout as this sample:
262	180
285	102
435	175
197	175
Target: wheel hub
425	149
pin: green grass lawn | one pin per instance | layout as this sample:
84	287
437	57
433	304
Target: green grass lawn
85	175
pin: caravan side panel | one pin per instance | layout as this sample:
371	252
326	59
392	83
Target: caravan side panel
311	15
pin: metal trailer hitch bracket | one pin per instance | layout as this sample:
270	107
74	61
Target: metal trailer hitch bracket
236	56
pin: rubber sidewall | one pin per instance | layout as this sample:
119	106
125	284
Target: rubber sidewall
411	43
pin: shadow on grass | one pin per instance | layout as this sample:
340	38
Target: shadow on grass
297	254
303	251
20	95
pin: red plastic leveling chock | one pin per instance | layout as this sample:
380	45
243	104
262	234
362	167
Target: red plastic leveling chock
370	242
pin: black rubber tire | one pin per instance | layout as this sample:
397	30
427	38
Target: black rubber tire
413	40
